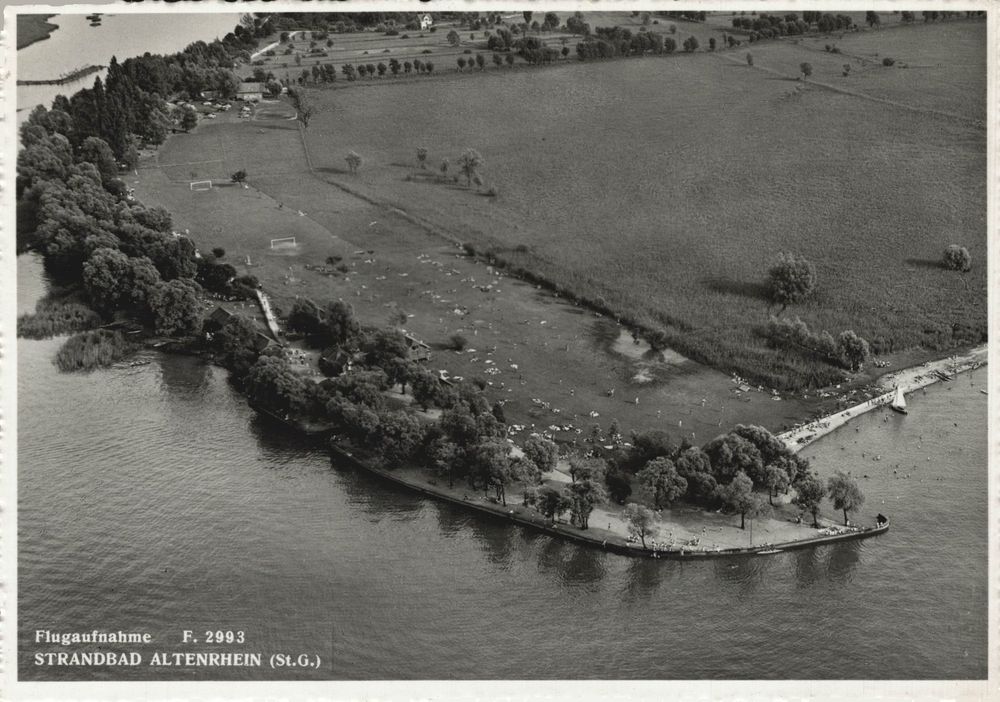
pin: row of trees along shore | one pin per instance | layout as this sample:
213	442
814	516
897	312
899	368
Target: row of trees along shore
467	442
109	257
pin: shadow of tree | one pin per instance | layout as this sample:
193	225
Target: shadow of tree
933	264
751	289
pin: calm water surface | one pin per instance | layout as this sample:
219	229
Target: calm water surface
151	499
76	44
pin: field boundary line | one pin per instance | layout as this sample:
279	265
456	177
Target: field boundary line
979	124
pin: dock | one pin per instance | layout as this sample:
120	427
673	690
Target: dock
65	78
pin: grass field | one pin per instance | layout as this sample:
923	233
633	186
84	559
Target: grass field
666	187
550	361
663	187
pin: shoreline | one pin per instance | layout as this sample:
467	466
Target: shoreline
909	379
528	518
797	438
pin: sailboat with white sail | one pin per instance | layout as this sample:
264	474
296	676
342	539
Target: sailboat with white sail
899	402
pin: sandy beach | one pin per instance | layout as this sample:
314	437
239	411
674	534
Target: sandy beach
908	379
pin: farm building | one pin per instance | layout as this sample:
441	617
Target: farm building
251	92
426	21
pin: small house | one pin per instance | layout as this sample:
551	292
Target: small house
334	361
218	318
426	21
417	350
250	92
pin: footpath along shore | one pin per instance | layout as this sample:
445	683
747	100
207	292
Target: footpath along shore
793	537
909	379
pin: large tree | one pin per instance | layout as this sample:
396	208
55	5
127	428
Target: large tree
584	495
791	279
730	454
341	326
845	493
114	281
306	317
552	502
175	307
738	495
273	384
776	479
97	152
694	466
641	521
542	452
661	482
809	494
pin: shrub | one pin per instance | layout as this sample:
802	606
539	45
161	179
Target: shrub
888	61
53	318
957	258
93	349
457	342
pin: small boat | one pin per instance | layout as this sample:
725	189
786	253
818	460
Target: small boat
984	392
769	551
899	402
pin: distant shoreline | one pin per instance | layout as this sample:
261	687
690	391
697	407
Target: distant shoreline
33	28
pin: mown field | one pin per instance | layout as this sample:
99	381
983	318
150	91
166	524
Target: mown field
665	187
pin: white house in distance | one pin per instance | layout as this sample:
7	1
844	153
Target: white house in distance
426	22
251	92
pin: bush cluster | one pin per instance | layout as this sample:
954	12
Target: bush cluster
848	349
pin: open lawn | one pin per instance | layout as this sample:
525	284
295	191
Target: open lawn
654	171
938	67
665	187
550	361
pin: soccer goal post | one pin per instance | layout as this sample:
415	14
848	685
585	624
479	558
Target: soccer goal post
284	241
201	185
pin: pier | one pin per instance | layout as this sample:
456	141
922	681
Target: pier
70	77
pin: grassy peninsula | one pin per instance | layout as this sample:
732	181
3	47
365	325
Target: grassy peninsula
602	339
32	28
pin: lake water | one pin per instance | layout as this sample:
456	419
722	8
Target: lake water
76	44
152	499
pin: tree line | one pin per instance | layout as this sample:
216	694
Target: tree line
123	258
129	107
